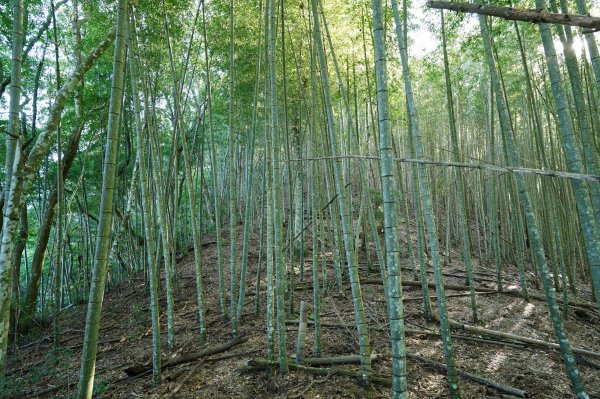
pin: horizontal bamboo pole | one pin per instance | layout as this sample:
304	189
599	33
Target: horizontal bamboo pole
473	377
518	338
344	359
489	167
411	283
456	287
535	16
415	331
188	357
258	364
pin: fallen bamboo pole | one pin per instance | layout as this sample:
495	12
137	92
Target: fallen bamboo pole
345	359
259	364
469	376
190	357
411	283
419	332
518	338
456	287
535	16
487	167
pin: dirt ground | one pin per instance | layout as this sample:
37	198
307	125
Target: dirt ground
125	340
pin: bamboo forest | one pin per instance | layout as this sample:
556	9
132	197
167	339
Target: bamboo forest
299	199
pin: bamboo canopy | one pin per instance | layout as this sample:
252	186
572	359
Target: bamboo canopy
520	14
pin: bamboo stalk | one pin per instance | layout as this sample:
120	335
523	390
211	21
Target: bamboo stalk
532	341
535	16
480	166
259	364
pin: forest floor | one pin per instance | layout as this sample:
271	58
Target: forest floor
125	340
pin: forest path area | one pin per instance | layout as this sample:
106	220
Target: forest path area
125	341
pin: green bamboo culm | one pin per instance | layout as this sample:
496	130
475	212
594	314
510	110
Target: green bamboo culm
232	178
314	204
261	247
268	193
277	204
162	202
460	195
189	180
270	294
213	169
392	250
364	183
351	258
427	208
162	217
146	206
594	55
585	211
250	176
590	165
534	235
92	325
315	255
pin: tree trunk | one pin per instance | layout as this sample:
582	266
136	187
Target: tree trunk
12	138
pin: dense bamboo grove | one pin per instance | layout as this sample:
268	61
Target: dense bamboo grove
134	130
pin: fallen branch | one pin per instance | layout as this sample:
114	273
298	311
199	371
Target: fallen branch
190	357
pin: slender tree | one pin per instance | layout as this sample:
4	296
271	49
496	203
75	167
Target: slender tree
147	220
566	129
13	152
250	175
232	179
392	250
277	200
340	186
460	195
214	165
23	176
92	325
534	235
427	208
58	271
